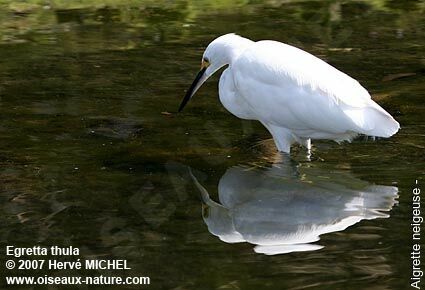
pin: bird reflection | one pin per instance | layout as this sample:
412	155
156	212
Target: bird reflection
286	207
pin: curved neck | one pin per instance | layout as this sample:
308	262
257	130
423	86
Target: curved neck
235	47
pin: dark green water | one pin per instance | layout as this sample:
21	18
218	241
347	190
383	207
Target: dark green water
89	159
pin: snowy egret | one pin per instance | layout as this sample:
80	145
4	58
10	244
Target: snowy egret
295	95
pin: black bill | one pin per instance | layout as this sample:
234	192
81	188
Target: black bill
193	88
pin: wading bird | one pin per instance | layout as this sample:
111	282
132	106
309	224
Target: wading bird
295	95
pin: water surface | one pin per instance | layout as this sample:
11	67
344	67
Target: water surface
89	158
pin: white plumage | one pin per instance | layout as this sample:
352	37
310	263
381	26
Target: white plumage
294	94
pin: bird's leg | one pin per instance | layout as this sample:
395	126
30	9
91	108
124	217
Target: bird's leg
307	144
303	142
282	137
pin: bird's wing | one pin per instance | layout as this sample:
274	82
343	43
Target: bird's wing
289	86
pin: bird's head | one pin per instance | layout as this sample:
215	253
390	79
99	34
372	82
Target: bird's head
220	52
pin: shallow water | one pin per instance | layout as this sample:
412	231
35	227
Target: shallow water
89	156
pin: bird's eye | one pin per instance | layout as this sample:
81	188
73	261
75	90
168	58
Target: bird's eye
205	59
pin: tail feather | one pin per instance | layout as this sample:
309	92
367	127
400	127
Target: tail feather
373	120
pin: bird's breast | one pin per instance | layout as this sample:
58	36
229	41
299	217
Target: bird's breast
231	99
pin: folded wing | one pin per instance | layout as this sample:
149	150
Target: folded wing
285	85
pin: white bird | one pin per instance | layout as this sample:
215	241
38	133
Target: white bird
295	95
